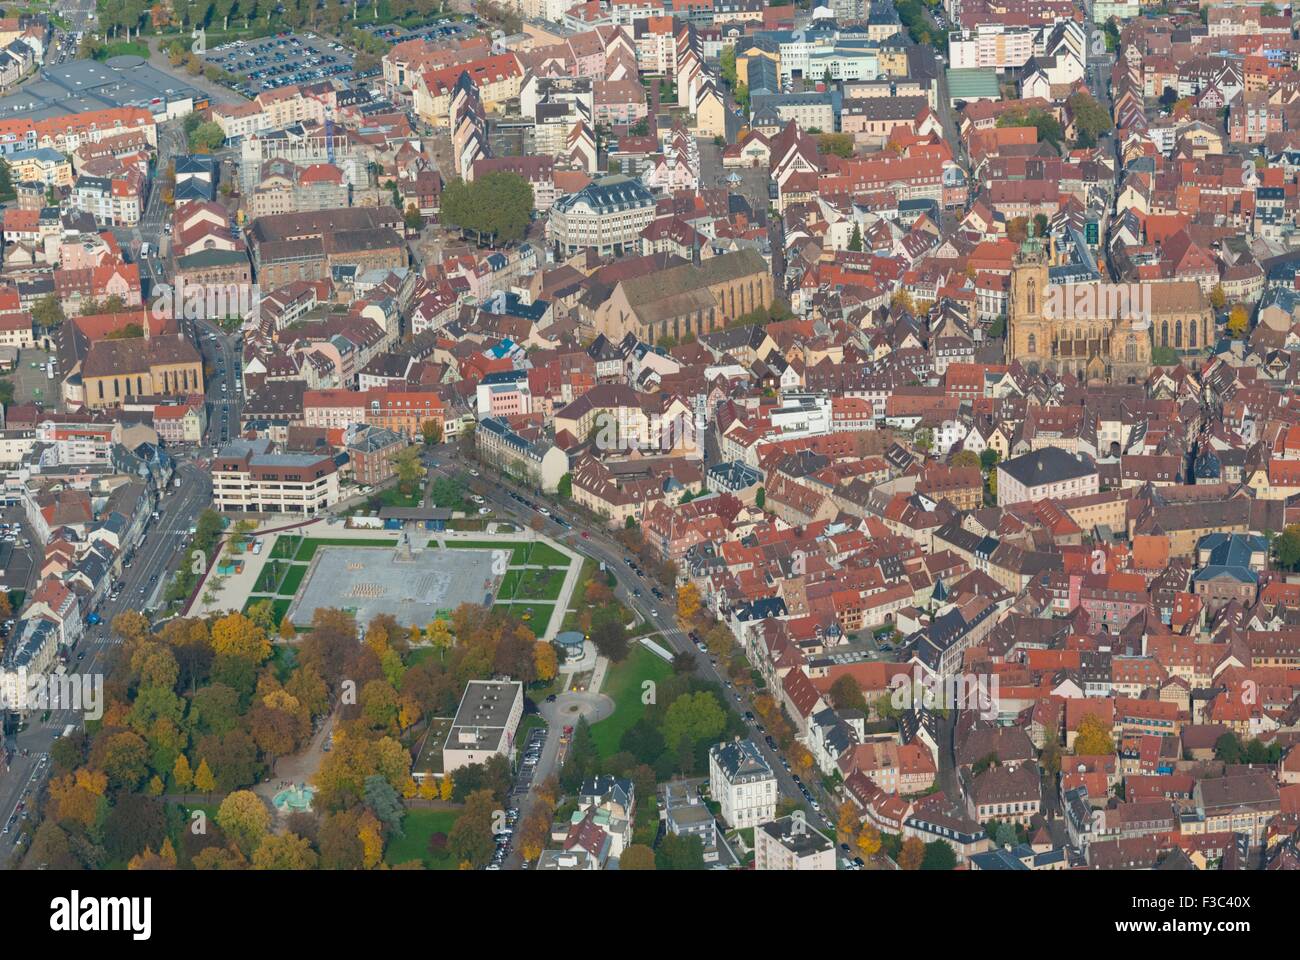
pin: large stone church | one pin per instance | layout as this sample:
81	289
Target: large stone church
1099	331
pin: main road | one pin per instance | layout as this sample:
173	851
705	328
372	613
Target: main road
144	579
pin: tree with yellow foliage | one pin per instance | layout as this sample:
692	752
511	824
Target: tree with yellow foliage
285	851
445	787
204	781
1094	738
409	789
1238	320
868	842
131	626
848	820
545	660
78	797
688	602
155	786
287	629
439	636
372	840
235	635
409	714
244	818
428	789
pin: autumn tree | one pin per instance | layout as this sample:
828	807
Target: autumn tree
204	782
408	467
846	694
1094	737
244	818
182	776
546	661
912	854
847	820
637	856
235	635
1238	320
285	851
470	839
869	842
688	602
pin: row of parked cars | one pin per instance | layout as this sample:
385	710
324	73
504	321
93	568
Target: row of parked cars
282	60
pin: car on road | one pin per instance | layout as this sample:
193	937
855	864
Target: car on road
551	698
586	535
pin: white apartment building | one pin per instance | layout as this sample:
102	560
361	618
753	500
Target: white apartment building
743	783
1046	474
791	844
607	215
990	45
244	480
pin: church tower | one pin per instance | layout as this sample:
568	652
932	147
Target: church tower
1028	330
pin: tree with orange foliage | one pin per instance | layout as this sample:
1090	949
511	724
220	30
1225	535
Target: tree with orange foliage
912	854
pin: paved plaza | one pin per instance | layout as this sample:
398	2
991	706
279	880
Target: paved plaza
375	580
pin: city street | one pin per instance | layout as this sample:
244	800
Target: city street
144	578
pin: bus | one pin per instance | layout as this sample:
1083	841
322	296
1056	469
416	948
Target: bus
144	250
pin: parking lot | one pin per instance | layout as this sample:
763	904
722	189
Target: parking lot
282	61
32	383
446	29
531	753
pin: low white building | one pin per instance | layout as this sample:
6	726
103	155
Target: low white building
485	724
791	844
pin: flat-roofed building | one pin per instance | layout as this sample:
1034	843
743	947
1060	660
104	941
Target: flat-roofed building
247	478
485	723
791	844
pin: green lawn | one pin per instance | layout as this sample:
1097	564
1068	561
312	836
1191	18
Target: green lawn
509	584
537	621
292	580
418	826
539	584
623	684
286	545
545	555
279	605
309	546
269	578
